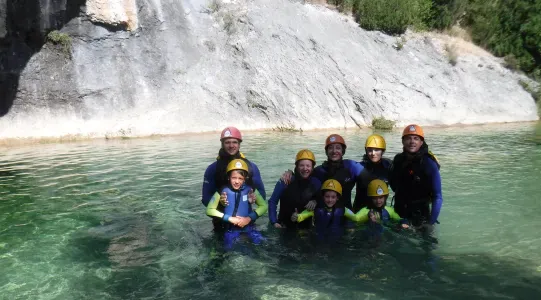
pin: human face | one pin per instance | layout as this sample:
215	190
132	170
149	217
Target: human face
304	168
379	201
330	198
334	152
236	179
374	154
231	146
412	143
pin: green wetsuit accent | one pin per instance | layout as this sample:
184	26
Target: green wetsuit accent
305	214
212	208
363	214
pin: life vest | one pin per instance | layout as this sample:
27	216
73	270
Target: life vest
370	172
329	219
239	204
296	195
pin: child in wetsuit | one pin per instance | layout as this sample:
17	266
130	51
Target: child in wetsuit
329	216
238	213
377	213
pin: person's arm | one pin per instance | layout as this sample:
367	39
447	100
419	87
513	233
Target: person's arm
437	198
212	208
305	214
392	174
261	206
258	182
359	217
209	185
274	199
355	168
395	216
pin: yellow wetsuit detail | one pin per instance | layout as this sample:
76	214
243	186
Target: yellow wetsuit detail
212	208
362	215
261	204
305	214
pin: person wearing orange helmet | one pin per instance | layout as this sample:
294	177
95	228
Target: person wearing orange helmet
300	194
375	166
216	176
336	167
415	179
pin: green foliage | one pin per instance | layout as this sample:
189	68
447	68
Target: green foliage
393	16
510	29
58	38
383	124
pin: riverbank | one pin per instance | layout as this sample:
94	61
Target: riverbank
20	142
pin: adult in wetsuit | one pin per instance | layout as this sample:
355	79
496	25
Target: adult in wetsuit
216	177
415	179
375	166
300	194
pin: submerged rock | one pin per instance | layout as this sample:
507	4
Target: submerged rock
196	65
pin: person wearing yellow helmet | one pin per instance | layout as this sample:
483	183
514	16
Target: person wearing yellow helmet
375	166
215	175
330	215
345	171
238	215
377	211
415	179
299	194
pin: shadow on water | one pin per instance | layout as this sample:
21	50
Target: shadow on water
27	25
124	252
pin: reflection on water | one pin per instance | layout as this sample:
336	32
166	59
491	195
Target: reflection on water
123	220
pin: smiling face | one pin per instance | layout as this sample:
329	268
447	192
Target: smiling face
330	198
335	152
305	167
379	201
374	154
231	146
236	178
412	143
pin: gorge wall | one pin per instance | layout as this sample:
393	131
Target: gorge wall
143	67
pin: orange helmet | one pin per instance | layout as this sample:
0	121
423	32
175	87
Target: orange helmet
413	129
231	132
335	139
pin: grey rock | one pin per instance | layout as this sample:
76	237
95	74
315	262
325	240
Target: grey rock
255	64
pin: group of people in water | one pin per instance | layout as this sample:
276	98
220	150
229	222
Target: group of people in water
319	197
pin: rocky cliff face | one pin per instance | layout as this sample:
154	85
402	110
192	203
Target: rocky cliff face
141	67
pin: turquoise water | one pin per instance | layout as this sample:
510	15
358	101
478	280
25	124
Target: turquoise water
123	219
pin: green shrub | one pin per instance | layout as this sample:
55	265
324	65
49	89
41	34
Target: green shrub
58	38
392	16
382	123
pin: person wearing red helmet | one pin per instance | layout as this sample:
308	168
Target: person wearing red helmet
216	176
415	180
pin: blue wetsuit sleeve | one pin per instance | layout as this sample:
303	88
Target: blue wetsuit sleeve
316	183
258	182
209	184
274	199
437	198
355	168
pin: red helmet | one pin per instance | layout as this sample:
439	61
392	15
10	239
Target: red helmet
231	132
336	139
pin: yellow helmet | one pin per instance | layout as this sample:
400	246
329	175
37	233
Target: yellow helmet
332	185
305	154
375	141
237	164
376	188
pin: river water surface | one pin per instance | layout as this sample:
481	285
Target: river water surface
122	219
